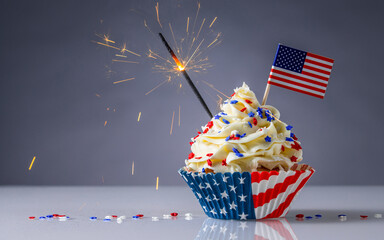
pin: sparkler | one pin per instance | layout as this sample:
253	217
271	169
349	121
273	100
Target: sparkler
33	160
186	76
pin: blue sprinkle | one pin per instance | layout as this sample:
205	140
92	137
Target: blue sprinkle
93	218
223	113
250	124
225	103
219	131
318	215
289	139
342	215
226	121
227	138
135	216
239	155
41	218
308	217
251	114
217	117
292	135
243	135
289	127
268	139
106	220
49	216
234	101
235	150
238	135
269	119
203	170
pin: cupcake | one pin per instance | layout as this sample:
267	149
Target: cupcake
244	164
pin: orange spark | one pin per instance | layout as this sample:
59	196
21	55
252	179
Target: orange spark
212	22
33	160
117	60
107	45
105	123
153	89
157	183
173	116
187	24
157	13
179	115
138	118
123	80
211	86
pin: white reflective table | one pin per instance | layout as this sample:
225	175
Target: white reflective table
80	203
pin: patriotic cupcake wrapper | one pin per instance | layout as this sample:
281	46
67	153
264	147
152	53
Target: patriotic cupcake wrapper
242	196
265	229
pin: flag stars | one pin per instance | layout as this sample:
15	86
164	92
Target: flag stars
232	205
243	216
232	188
223	211
225	178
224	194
242	180
242	198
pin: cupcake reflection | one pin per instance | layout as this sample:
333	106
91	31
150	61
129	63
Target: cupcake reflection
262	229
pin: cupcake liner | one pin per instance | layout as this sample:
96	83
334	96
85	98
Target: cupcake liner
263	229
242	196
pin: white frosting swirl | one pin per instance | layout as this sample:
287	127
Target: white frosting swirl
245	137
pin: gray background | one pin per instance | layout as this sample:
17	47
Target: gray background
50	72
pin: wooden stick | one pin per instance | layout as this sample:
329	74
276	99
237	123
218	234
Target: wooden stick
266	93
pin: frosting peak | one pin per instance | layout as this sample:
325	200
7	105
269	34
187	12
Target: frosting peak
244	137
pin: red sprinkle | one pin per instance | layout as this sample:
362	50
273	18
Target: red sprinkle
114	216
363	216
61	215
224	162
233	94
138	215
32	217
190	143
300	215
197	157
254	121
191	155
247	101
236	138
294	159
232	136
174	214
294	137
296	146
242	110
209	124
209	162
282	148
196	137
206	130
209	154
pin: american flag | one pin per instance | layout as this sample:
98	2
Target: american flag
300	71
246	195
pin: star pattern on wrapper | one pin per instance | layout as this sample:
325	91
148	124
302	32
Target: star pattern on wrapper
201	186
242	180
243	225
205	208
233	188
242	198
208	199
213	211
223	230
208	186
225	178
222	211
213	227
232	205
232	236
215	198
198	195
205	228
243	216
215	183
224	194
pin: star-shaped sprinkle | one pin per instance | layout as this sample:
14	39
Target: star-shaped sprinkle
289	127
233	188
294	159
217	116
222	211
224	162
243	216
242	198
234	101
241	180
268	139
288	139
232	205
251	114
224	194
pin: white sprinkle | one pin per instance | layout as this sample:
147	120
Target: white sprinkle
378	215
343	218
188	214
123	217
108	217
155	219
119	220
188	218
166	216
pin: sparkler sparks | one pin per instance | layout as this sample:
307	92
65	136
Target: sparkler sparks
179	115
33	160
173	116
133	167
212	22
138	118
105	123
157	183
128	79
